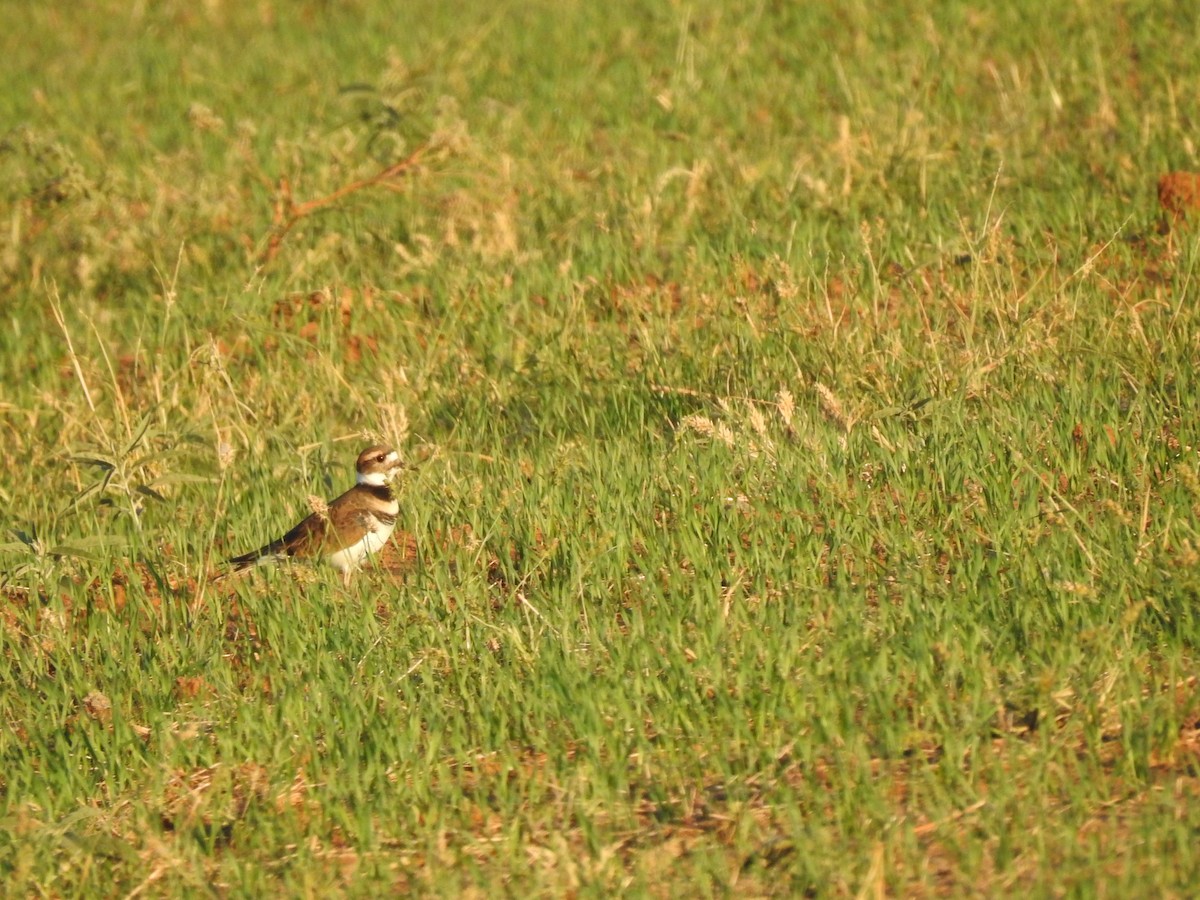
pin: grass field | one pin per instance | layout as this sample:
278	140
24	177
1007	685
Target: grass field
807	500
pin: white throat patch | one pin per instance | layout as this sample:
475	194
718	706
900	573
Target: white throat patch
380	478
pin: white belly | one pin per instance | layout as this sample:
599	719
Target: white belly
349	558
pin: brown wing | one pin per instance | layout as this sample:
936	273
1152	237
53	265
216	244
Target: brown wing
335	530
305	540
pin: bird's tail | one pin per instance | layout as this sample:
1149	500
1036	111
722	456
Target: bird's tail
259	557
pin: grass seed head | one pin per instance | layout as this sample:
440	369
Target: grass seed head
318	506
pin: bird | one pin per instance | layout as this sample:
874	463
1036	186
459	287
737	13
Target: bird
348	529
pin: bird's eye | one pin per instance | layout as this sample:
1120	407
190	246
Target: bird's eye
380	458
